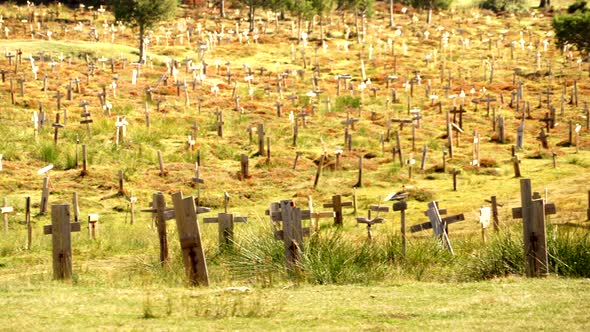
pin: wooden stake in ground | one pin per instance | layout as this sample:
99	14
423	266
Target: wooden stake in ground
318	174
244	169
190	240
5	210
402	206
45	190
532	212
60	230
359	183
132	201
493	200
163	172
93	225
28	222
76	207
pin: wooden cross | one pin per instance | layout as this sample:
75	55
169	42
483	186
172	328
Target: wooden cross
533	211
162	214
401	205
185	213
5	210
121	126
402	122
337	205
58	96
292	231
370	223
220	123
226	224
60	230
438	224
549	121
543	138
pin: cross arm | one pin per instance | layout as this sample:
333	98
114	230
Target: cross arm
549	209
74	227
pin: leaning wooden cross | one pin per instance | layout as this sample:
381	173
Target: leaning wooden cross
533	212
60	230
438	224
226	224
162	214
189	235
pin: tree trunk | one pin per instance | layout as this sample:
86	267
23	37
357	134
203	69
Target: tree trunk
299	28
222	8
322	29
391	13
252	9
141	43
356	26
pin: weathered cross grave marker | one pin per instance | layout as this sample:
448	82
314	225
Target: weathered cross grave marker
337	205
292	231
226	224
533	211
162	214
438	224
60	230
189	235
401	205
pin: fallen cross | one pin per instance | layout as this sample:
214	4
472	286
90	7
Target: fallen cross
438	224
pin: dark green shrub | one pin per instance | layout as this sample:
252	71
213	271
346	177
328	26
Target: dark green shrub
573	29
504	5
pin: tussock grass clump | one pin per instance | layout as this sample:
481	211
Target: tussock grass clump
501	257
569	252
333	259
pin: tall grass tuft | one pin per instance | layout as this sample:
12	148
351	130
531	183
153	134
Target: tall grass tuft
569	252
259	257
502	256
332	258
